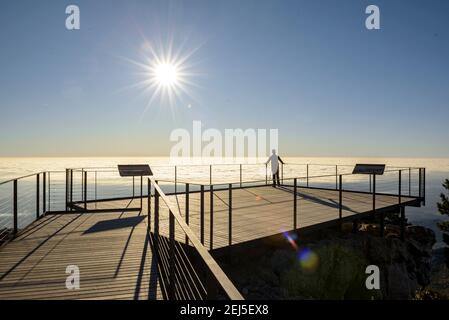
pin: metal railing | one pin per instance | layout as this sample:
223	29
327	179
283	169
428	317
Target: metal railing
396	183
187	272
26	199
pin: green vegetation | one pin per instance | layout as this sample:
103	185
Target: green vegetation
429	294
340	275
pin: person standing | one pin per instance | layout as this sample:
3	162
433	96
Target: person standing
275	159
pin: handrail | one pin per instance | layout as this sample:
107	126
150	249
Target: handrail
212	265
30	175
19	178
290	178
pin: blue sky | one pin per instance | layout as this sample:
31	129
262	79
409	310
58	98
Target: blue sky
309	68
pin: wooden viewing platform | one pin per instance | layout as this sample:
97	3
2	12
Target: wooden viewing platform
112	249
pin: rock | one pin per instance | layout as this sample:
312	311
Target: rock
404	266
392	231
281	260
399	284
371	228
347	227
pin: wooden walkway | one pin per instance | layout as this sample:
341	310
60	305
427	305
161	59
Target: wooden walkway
265	211
110	249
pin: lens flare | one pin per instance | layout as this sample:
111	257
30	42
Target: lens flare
308	260
291	239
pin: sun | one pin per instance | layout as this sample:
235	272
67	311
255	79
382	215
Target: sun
166	74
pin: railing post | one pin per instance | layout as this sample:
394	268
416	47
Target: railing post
38	184
307	182
202	214
134	186
85	191
176	179
156	210
336	177
400	206
172	255
295	222
156	221
71	188
210	174
340	197
66	189
211	236
44	192
374	195
14	208
49	191
149	204
230	215
419	182
424	186
141	192
409	182
241	175
187	208
282	173
370	183
95	188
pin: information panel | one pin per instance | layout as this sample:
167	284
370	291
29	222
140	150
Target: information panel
134	170
377	169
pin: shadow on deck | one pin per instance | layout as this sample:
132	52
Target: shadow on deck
111	250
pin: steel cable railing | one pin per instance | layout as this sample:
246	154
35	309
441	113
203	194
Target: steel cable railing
186	271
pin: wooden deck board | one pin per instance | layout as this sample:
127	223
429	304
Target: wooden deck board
114	263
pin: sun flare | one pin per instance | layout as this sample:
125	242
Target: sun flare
166	74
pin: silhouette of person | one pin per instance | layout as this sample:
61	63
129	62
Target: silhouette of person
275	159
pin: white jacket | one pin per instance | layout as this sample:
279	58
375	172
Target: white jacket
274	163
